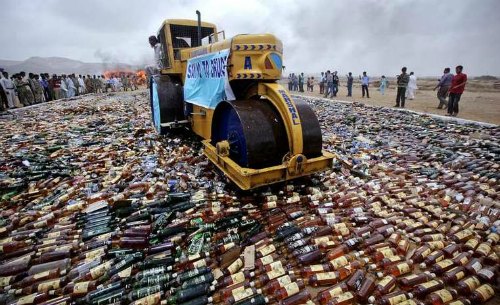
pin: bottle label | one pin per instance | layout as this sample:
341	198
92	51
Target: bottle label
41	275
394	258
292	288
385	281
97	252
125	273
344	231
335	291
345	297
445	263
339	262
486	291
322	239
436	245
487	273
99	270
4	281
284	280
276	265
472	282
472	243
316	268
275	273
326	276
430	284
49	285
477	266
235	266
484	248
445	295
266	260
81	288
397	299
199	263
243	294
386	252
271	205
238	277
149	300
403	268
29	299
410	277
267	250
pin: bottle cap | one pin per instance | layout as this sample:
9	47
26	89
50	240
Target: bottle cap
371	299
380	274
252	274
174	274
259	290
214	282
266	299
423	265
410	295
210	299
372	267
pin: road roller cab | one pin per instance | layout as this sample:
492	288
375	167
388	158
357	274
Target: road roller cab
227	92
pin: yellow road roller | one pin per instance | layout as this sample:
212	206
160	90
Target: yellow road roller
227	92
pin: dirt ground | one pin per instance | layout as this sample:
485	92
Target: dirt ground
480	101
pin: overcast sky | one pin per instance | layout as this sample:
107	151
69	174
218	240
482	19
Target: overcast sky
379	36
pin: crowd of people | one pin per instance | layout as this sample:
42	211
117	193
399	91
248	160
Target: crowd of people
20	90
450	86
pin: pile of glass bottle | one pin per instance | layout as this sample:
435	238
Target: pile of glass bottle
98	209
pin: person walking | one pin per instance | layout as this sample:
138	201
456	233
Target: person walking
402	82
456	89
444	85
365	81
412	86
383	85
350	81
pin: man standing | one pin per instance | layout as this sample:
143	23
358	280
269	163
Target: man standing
402	82
64	87
350	81
456	89
444	85
412	86
81	82
329	83
26	96
39	96
365	81
9	89
322	83
301	82
335	83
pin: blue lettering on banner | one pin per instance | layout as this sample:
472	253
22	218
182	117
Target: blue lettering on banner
248	63
206	82
291	107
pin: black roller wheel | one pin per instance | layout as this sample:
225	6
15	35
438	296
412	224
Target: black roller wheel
167	101
311	131
254	130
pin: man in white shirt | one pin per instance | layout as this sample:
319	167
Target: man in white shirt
412	86
365	81
9	89
82	85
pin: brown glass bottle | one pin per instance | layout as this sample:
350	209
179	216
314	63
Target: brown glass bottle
410	281
288	290
442	296
468	285
427	287
454	275
324	296
366	288
482	294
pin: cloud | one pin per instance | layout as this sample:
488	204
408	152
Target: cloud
356	35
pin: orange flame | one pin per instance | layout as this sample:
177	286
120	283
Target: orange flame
139	76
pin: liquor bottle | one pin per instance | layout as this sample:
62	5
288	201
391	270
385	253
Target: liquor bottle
77	290
241	295
474	265
488	274
442	296
384	286
408	282
468	285
397	269
442	266
421	253
482	294
347	298
279	282
393	298
187	294
300	298
483	249
451	250
312	269
366	288
356	279
328	278
256	300
288	290
344	260
34	298
425	288
454	275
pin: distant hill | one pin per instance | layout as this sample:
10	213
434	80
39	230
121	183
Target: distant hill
60	65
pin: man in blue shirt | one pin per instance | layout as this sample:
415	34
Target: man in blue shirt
365	81
444	85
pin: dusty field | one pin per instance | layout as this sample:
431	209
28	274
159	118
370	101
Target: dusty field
480	101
